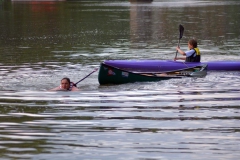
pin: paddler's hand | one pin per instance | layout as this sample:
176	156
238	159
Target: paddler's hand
177	48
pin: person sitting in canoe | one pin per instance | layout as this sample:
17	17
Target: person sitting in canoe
66	85
193	55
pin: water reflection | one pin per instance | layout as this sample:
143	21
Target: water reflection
141	1
151	27
140	25
143	121
180	119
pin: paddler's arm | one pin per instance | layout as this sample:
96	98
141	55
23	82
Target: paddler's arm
180	51
180	58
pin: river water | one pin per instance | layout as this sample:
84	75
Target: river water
190	118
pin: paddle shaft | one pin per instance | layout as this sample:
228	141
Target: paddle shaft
85	77
181	30
178	46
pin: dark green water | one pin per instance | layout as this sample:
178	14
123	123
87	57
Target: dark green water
42	42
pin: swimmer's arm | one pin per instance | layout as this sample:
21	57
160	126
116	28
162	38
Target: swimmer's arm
75	89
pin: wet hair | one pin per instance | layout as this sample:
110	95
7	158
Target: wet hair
65	78
193	42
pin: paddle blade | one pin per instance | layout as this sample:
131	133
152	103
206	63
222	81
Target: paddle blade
181	30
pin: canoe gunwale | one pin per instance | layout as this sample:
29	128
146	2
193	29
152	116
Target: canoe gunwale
175	70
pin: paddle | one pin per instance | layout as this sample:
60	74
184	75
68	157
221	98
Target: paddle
86	77
181	30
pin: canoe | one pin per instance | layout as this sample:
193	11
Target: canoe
166	65
112	75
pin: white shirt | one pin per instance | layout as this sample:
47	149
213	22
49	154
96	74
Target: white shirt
190	52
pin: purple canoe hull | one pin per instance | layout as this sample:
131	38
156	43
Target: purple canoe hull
167	65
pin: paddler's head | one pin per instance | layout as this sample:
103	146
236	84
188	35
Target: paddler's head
192	43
